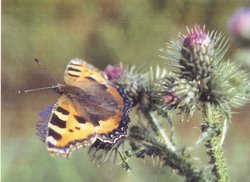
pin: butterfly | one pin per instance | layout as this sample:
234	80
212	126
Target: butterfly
90	110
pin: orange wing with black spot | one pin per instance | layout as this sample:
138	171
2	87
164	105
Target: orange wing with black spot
78	71
67	130
98	111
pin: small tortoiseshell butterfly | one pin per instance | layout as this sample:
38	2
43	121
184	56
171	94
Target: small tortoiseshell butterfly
91	109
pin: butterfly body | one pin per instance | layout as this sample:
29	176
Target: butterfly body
90	108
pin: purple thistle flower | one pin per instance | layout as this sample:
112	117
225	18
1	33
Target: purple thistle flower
114	72
197	53
169	98
196	37
173	92
239	24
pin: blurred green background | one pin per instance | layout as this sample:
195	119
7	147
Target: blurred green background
101	32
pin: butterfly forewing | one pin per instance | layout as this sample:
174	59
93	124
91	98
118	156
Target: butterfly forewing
78	71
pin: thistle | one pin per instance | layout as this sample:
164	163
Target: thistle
199	59
217	84
114	72
202	80
197	54
173	92
129	78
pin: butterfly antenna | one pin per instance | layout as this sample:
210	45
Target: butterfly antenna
46	70
38	89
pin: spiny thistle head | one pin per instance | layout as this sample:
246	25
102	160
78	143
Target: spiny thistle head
173	92
148	100
114	72
129	78
197	53
204	74
228	86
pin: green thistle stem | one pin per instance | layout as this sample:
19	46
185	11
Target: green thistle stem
213	145
176	160
159	130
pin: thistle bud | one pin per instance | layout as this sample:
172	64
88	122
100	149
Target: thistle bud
129	78
177	93
203	75
169	98
114	72
197	54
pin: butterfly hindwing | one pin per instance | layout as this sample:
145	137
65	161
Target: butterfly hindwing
115	128
42	125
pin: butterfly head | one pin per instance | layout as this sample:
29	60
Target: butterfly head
68	90
60	88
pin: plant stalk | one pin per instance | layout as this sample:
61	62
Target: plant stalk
159	130
214	148
177	160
